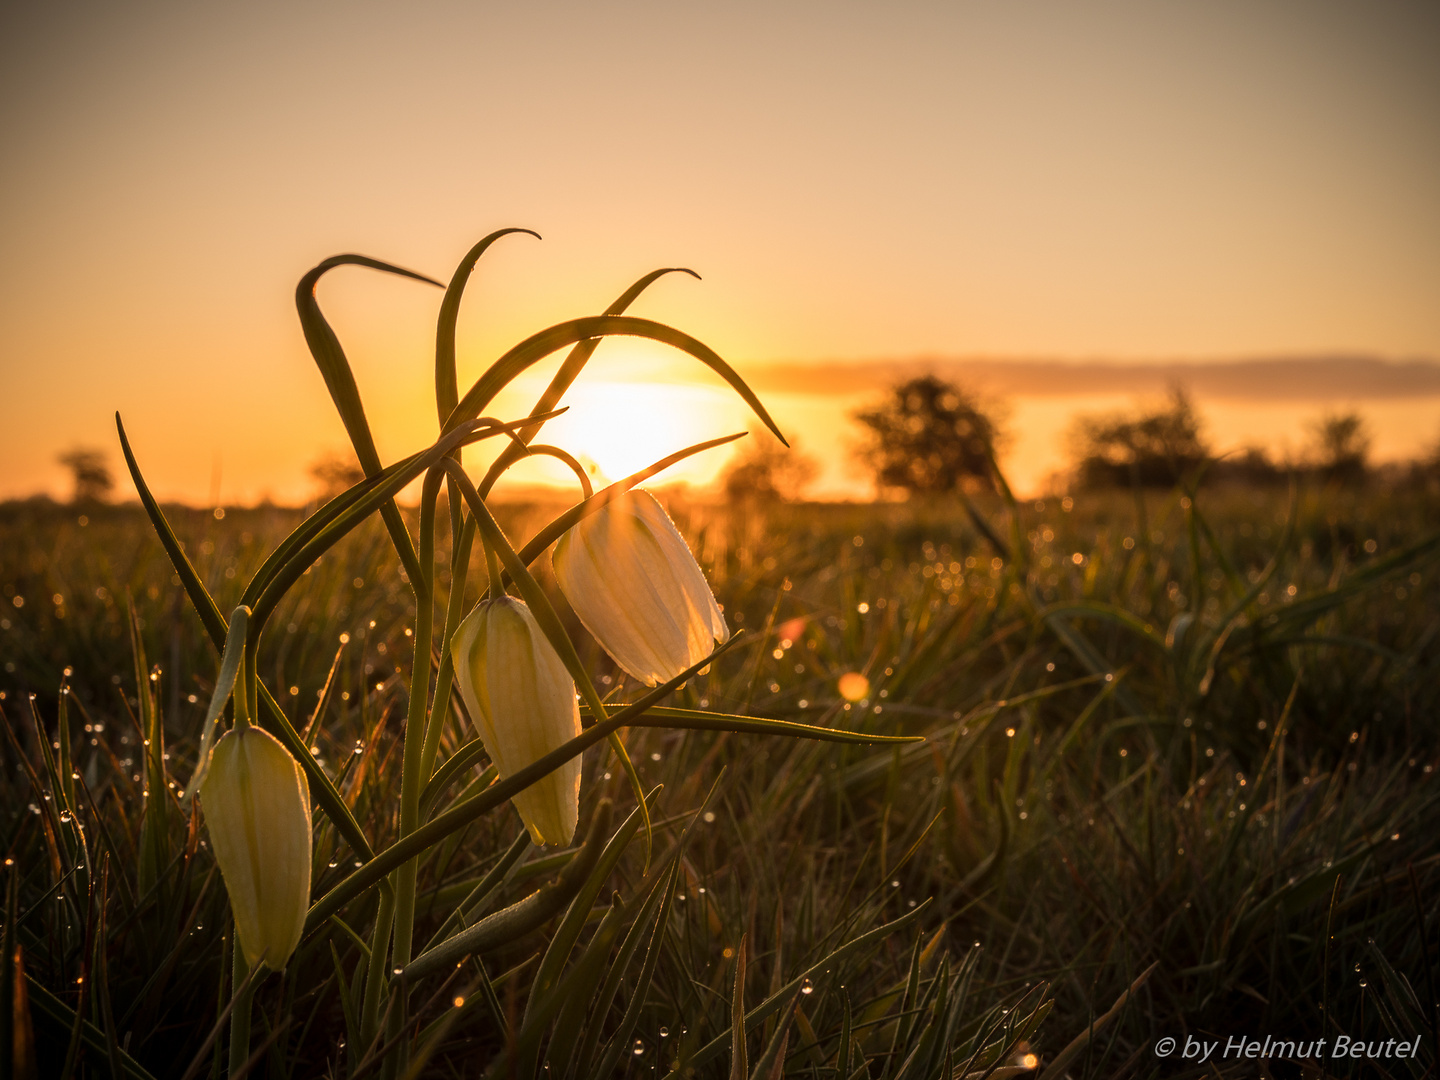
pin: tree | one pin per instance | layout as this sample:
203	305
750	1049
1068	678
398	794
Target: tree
1341	445
335	474
929	436
766	471
1252	466
1153	449
89	473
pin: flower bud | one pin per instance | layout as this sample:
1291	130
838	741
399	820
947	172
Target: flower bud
630	577
257	810
522	699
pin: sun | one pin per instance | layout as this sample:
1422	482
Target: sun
616	428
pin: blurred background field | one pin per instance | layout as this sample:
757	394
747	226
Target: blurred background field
1199	732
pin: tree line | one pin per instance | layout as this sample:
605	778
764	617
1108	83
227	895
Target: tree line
929	436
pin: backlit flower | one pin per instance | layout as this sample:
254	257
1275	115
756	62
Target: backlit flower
630	577
522	699
257	810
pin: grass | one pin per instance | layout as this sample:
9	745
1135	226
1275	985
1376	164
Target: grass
1078	812
980	791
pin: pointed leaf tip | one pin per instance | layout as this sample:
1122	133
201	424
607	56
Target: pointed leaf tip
352	259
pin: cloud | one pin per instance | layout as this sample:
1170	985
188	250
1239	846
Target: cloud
1305	378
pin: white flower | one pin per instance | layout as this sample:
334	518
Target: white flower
522	699
630	577
257	810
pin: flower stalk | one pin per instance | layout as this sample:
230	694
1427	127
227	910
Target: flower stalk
412	781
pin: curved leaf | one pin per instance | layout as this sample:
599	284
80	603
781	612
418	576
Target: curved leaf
538	907
447	390
458	817
308	529
322	788
224	685
540	345
340	381
378	492
556	528
701	720
570	369
330	357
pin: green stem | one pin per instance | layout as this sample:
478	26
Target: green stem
454	613
240	1011
412	781
536	450
375	977
244	689
492	564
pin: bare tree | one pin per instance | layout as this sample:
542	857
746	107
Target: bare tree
89	473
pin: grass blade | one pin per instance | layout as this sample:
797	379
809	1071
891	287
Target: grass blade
1057	1065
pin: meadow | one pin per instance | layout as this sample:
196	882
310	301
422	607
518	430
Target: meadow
1177	779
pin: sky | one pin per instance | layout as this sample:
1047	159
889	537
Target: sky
1134	181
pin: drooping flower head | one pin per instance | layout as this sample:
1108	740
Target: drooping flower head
629	575
257	810
522	699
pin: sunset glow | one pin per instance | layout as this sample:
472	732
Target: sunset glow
1192	183
618	428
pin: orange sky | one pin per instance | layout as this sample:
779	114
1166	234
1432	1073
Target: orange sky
1135	180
